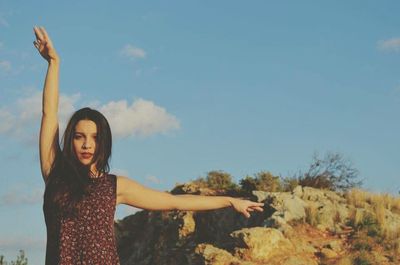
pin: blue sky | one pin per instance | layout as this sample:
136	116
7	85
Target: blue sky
200	86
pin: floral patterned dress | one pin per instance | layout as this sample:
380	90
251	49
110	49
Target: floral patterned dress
87	239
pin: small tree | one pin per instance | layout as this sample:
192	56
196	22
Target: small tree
248	184
263	180
332	172
268	182
220	180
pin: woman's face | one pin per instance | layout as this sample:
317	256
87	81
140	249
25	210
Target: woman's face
84	141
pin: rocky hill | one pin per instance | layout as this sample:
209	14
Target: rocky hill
306	226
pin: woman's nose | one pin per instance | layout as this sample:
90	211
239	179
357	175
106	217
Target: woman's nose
86	145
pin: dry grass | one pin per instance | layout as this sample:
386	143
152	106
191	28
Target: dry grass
345	261
356	217
312	217
356	197
380	205
391	233
396	205
380	212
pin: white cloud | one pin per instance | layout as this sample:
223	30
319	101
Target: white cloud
22	120
153	179
389	45
131	51
141	118
5	66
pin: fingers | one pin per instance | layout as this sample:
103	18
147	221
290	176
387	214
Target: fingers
258	209
246	207
36	44
246	214
38	33
44	32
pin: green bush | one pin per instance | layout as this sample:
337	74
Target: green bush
21	259
263	180
219	180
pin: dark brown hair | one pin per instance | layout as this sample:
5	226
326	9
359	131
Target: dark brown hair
69	178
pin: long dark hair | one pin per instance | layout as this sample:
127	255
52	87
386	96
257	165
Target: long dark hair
69	178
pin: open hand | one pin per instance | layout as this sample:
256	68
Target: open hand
246	206
44	45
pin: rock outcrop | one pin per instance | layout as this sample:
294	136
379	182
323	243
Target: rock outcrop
303	227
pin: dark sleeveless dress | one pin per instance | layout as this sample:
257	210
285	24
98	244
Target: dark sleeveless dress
87	239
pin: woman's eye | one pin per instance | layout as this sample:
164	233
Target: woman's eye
77	137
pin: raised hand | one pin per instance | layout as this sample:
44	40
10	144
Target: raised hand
44	45
245	206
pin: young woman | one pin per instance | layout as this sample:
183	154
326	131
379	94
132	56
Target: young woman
81	195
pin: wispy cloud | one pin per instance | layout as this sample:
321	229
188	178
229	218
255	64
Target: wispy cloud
22	242
120	172
389	45
21	197
3	22
141	118
132	52
153	179
21	120
7	121
5	66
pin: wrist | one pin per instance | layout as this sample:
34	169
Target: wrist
55	60
231	201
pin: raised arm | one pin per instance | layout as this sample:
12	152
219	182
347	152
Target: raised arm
132	193
48	140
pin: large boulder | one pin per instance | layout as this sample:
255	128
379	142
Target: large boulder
260	244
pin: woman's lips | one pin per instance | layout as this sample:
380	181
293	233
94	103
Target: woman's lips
86	155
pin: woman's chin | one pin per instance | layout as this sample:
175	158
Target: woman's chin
85	162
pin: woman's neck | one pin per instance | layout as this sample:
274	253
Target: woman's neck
94	173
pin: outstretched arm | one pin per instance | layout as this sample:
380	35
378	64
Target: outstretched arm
48	141
132	193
